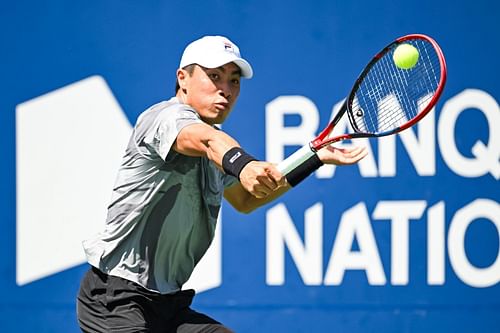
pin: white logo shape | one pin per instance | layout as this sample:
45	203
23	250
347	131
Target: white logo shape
69	146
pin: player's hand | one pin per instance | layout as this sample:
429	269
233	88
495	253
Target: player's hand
341	156
261	178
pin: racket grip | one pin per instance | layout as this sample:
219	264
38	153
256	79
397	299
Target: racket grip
296	159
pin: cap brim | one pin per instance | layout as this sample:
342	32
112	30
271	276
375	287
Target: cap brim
246	69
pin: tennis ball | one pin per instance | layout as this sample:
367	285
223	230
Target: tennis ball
405	56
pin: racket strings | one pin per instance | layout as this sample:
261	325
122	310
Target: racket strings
389	97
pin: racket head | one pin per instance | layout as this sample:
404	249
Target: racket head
386	99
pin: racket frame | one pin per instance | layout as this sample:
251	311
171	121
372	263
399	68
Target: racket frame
322	139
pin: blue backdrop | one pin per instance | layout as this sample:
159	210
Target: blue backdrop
406	242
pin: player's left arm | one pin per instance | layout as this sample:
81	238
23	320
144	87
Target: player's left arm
245	202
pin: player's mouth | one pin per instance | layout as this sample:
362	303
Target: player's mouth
222	106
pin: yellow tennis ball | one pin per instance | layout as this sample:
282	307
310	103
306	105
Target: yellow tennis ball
405	56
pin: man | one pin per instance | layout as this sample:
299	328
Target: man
167	197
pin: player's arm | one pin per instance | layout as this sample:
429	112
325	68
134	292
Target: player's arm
258	178
203	140
244	202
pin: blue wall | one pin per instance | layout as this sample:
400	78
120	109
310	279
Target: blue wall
312	49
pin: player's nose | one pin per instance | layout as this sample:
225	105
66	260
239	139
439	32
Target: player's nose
226	89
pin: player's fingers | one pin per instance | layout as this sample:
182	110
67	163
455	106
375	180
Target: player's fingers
261	191
346	156
268	182
276	175
352	151
264	178
357	154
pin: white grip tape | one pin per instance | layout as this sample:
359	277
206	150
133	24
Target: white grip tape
296	159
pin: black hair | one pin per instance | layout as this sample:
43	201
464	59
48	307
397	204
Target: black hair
190	70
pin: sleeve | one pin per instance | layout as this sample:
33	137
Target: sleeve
167	125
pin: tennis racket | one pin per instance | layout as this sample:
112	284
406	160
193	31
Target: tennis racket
385	99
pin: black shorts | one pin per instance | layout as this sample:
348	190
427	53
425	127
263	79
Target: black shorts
111	304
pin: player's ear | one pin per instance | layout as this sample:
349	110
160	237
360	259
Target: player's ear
182	76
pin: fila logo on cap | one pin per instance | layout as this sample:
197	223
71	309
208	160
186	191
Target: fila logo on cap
228	46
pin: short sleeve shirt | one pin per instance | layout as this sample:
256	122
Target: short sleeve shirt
164	205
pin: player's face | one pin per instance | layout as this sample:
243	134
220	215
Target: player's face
212	92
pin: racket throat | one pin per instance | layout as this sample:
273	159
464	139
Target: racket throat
319	143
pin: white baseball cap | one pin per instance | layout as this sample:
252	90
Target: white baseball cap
213	52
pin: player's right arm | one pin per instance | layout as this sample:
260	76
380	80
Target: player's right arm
246	203
257	177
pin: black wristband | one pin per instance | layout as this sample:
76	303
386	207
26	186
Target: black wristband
301	172
234	160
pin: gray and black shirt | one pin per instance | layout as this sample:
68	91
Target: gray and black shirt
164	206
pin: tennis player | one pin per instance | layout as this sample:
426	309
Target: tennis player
162	216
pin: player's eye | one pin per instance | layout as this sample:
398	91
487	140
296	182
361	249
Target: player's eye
236	82
213	76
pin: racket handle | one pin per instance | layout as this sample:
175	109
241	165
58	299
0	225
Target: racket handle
296	159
